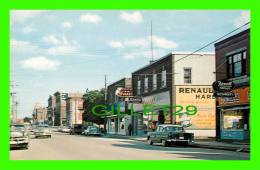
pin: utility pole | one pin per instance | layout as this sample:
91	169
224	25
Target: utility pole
105	88
14	102
152	58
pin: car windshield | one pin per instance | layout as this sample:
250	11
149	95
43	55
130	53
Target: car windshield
17	127
173	129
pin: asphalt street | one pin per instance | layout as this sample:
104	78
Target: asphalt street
76	147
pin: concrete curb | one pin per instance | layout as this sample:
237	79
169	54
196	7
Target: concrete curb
231	148
236	149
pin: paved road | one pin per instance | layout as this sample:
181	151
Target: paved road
73	147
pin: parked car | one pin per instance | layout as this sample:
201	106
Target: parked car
19	136
92	131
168	134
76	129
42	131
65	130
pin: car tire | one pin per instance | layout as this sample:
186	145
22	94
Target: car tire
164	143
150	142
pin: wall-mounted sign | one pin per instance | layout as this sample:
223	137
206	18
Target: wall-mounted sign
201	97
223	86
241	96
135	99
124	92
224	94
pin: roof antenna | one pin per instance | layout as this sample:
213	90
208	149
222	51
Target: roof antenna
152	59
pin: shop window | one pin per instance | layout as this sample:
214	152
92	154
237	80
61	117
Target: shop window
236	64
233	120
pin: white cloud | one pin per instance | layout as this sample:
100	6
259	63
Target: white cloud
63	50
115	44
159	42
40	63
138	42
18	46
90	18
27	30
242	19
67	24
164	43
134	17
51	39
17	43
23	15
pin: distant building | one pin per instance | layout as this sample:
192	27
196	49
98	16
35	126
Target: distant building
39	114
233	65
74	108
177	79
117	124
60	109
51	109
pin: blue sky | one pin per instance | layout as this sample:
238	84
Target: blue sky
73	50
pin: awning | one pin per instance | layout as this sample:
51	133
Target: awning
237	108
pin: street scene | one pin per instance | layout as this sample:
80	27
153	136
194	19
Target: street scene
130	85
61	147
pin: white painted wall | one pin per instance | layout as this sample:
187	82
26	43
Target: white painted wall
203	66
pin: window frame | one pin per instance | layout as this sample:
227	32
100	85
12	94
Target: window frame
231	73
190	75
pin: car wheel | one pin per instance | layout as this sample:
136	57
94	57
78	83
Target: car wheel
164	143
150	142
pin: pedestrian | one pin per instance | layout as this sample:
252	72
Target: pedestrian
130	129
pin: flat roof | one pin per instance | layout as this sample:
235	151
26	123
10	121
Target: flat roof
174	53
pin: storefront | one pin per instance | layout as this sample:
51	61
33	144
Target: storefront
145	122
118	123
235	115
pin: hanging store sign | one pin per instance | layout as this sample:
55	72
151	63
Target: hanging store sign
124	92
223	86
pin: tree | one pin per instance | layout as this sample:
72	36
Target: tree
92	98
27	119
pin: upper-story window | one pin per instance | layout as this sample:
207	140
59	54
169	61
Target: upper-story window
138	87
146	84
187	75
163	79
237	64
154	81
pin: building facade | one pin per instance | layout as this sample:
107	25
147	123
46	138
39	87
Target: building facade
176	80
40	114
116	123
60	109
233	65
74	109
51	109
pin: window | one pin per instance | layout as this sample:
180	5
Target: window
163	79
154	81
187	75
236	64
138	87
146	84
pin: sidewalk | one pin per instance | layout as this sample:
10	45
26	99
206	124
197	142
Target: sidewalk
231	146
209	144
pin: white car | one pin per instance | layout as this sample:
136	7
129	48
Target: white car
65	130
42	131
92	131
19	137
